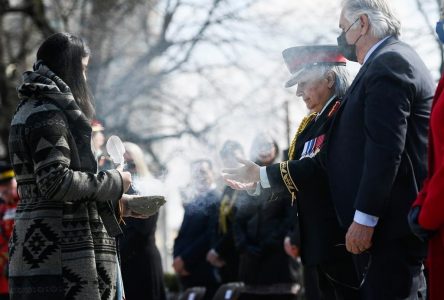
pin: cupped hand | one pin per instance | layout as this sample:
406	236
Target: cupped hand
248	172
127	211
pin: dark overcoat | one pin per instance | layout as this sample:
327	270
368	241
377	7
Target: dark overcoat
319	229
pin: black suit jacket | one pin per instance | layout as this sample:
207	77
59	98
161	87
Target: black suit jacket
376	151
194	238
319	228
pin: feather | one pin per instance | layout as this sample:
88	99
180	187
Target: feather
115	149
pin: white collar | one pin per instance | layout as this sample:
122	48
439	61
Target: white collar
373	48
325	106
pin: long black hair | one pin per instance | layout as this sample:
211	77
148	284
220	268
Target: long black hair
62	53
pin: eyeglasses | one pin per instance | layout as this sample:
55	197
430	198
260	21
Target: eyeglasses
368	258
351	25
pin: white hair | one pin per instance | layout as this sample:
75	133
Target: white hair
381	17
342	76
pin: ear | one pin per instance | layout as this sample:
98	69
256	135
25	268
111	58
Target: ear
331	78
364	24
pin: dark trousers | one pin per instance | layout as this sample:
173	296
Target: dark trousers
331	281
187	282
392	270
267	297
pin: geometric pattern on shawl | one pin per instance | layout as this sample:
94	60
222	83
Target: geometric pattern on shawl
105	284
73	283
37	246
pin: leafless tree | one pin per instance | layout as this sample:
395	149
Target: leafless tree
425	8
139	47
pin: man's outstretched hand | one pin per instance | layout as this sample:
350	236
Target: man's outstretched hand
244	177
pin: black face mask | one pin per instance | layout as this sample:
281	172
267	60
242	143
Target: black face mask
349	51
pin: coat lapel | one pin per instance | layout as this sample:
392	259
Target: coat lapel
364	68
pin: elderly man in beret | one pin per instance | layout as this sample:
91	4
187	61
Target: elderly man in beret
322	80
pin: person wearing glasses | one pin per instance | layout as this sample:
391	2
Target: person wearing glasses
223	253
193	241
375	156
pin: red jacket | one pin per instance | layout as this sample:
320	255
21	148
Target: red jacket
7	215
431	197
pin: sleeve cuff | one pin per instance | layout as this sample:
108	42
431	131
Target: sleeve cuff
255	192
265	183
365	219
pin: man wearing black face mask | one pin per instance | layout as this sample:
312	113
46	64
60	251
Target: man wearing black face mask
378	144
375	156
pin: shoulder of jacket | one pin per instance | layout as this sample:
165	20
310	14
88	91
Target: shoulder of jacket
32	107
334	108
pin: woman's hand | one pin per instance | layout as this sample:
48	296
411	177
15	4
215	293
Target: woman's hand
126	210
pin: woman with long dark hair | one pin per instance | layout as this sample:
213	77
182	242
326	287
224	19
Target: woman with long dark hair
63	245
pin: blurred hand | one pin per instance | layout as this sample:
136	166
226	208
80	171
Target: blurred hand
179	266
214	259
126	210
248	173
358	238
236	185
126	179
290	249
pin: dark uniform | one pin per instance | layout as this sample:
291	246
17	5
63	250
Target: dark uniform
260	228
321	236
223	236
194	240
328	268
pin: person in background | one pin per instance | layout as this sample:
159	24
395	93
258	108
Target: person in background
98	141
140	259
62	245
224	254
260	227
194	238
428	208
375	157
322	80
8	204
